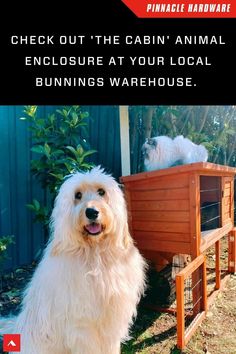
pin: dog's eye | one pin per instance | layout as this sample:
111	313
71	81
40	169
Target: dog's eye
101	192
78	195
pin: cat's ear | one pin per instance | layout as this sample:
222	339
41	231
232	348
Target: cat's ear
152	142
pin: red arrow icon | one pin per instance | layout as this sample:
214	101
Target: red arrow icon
11	342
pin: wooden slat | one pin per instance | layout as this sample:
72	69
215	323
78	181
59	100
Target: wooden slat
191	267
204	287
227	216
161	236
165	182
228	221
194	205
203	168
227	208
232	199
163	246
164	194
217	265
222	209
160	226
130	215
158	258
211	236
228	178
180	312
227	192
161	205
169	216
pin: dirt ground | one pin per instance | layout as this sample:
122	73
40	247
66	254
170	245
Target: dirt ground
11	288
154	333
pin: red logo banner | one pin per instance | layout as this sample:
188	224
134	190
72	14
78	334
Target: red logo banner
182	9
11	342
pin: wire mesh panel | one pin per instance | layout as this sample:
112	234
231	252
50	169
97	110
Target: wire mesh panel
210	202
191	299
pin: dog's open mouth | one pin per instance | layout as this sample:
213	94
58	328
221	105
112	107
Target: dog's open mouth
93	228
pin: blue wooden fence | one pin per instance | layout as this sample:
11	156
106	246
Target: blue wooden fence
18	187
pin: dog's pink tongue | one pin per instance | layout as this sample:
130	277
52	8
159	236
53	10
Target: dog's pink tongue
94	228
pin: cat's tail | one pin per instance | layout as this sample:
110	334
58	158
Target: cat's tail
202	153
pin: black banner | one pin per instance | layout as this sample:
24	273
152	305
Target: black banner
103	54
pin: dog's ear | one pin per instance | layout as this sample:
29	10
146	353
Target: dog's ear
127	240
62	238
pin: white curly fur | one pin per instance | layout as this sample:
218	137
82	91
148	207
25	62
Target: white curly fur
83	295
163	152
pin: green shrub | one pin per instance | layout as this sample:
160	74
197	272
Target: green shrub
5	241
60	141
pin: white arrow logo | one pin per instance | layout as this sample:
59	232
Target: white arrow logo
11	344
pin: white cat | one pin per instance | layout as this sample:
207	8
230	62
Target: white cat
163	152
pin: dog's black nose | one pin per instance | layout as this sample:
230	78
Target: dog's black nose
91	213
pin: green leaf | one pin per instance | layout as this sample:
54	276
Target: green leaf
57	152
51	118
80	151
83	124
36	204
30	110
40	122
86	165
84	115
62	130
57	176
69	167
59	111
47	150
7	240
74	118
30	206
89	152
65	112
39	149
70	148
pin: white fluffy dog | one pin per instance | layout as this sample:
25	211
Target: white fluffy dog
83	295
163	152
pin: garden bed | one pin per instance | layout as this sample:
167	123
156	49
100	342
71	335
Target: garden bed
11	288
